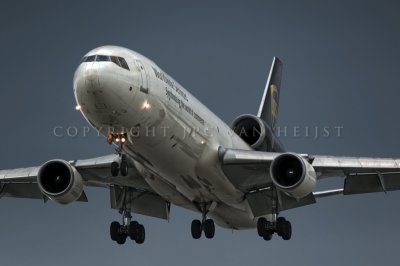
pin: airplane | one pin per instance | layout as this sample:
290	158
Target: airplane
171	149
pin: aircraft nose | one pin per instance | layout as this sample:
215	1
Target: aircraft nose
86	79
103	91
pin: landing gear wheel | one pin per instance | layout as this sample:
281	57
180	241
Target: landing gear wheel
123	168
140	234
267	235
287	232
261	226
114	168
280	226
133	229
121	239
114	230
209	228
196	229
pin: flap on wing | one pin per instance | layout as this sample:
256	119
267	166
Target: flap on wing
27	191
21	190
139	201
20	183
367	183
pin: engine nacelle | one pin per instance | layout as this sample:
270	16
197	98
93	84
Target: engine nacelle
293	175
256	132
60	181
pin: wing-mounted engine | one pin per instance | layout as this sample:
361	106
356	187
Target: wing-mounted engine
256	132
60	181
293	175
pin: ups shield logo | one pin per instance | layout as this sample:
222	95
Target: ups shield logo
274	105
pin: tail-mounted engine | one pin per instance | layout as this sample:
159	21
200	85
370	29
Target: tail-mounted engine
293	175
256	132
60	181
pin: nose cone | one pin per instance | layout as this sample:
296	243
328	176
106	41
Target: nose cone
102	92
86	81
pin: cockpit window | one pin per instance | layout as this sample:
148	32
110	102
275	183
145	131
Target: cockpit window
115	60
119	61
88	58
102	58
123	63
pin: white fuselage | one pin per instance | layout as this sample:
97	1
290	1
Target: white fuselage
173	139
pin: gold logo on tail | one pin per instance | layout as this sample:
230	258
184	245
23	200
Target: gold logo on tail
274	105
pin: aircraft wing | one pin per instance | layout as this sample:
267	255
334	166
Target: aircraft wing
249	172
22	183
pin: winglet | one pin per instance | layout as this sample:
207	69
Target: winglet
268	110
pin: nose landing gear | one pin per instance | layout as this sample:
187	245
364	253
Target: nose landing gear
122	166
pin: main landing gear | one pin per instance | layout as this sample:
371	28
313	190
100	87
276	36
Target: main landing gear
205	225
119	233
122	166
281	226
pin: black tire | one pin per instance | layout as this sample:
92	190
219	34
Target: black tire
267	235
133	230
114	230
123	168
209	228
121	239
196	229
287	233
141	234
114	168
281	219
280	226
261	226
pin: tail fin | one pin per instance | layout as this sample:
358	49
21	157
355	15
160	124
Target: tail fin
270	101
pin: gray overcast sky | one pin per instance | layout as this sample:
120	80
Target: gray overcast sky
341	68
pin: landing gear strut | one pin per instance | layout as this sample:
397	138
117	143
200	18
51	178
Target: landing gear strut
120	232
205	225
122	166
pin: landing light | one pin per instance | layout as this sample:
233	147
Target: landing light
117	140
146	105
78	107
123	140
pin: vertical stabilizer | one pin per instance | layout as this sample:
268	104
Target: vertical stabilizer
270	101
